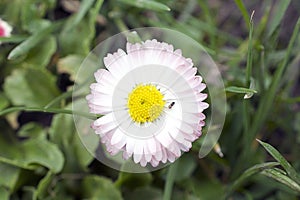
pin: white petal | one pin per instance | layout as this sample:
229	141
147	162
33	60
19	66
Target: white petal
164	138
105	77
130	145
106	119
154	163
203	106
164	155
185	146
138	151
147	153
189	73
158	153
177	135
101	88
126	156
121	143
151	144
143	161
185	128
102	110
117	137
100	99
201	96
174	149
201	87
190	118
171	157
178	52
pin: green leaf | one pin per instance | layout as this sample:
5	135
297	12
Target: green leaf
278	176
4	193
283	162
277	16
34	152
77	36
3	101
77	40
28	44
132	180
242	90
81	71
71	64
33	12
30	87
40	55
147	4
203	189
8	179
250	172
64	134
145	193
30	13
32	130
96	187
42	152
42	189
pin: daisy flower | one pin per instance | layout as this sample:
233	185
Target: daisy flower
151	101
5	29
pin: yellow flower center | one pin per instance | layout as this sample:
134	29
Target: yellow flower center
145	103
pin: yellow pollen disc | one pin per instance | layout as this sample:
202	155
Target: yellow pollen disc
145	103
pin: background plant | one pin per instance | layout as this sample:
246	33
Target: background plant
41	156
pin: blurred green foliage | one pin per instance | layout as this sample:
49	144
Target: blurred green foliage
258	56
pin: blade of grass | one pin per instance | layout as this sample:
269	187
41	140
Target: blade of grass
292	100
261	74
243	10
32	41
277	15
267	100
84	8
94	12
59	98
246	114
48	110
249	55
14	38
213	30
146	4
250	172
283	162
276	175
240	90
172	171
28	44
210	21
187	11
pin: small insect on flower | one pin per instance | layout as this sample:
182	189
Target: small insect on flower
132	95
171	105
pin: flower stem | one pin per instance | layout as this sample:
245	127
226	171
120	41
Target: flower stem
49	110
170	180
